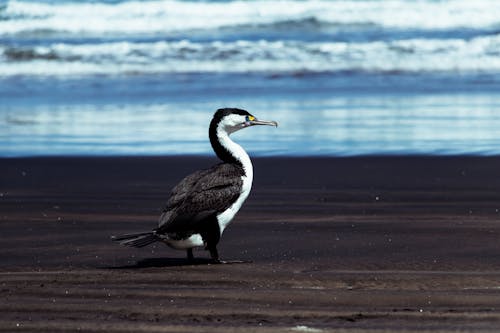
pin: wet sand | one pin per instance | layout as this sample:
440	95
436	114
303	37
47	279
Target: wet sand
385	244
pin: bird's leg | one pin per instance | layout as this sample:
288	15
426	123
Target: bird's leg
214	254
215	257
190	256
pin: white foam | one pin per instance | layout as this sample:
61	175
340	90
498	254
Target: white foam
413	55
146	17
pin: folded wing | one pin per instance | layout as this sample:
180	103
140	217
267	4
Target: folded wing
199	196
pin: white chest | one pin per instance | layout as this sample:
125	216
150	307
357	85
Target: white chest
227	216
240	155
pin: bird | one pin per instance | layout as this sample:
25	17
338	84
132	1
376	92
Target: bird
204	203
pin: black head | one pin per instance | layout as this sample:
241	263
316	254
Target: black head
232	119
227	112
227	121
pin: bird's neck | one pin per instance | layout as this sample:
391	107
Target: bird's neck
229	151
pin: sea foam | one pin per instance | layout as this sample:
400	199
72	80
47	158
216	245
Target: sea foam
478	55
147	17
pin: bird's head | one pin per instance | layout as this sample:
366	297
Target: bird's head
232	120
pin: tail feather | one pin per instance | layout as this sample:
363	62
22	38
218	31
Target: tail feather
136	240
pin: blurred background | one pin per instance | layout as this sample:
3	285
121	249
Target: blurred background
354	77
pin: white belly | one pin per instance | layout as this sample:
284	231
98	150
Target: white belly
194	240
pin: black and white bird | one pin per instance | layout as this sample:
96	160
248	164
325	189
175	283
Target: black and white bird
203	204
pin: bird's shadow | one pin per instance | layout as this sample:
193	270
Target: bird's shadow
165	262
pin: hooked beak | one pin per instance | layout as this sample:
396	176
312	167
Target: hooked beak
262	122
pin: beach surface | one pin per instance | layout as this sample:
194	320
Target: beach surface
379	244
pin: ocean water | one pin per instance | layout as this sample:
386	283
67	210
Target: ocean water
352	77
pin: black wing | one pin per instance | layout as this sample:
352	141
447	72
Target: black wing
199	196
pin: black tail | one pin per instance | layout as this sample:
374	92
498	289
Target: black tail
136	240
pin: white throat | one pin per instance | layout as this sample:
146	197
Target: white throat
240	155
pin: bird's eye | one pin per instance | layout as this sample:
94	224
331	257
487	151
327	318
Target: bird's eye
247	118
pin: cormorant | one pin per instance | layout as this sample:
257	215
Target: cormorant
202	205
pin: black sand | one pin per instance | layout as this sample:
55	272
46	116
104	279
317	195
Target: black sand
386	244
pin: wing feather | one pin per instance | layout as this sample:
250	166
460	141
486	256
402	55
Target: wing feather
199	195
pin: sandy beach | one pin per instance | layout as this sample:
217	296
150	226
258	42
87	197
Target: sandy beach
384	244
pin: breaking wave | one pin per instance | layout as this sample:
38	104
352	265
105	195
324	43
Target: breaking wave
166	16
49	37
414	55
